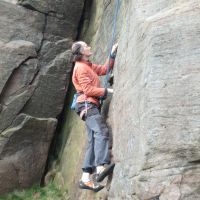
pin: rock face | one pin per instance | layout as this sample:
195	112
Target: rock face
155	110
159	103
35	66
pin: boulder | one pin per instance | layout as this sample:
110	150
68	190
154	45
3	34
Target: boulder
23	151
19	24
12	55
48	97
35	67
62	18
61	9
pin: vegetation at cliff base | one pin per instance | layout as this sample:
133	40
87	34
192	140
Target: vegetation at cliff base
50	192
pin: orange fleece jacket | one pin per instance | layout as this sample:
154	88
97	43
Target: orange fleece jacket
86	81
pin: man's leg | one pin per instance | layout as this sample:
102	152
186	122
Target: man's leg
101	145
88	165
89	161
101	139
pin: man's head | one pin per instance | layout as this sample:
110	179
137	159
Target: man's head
81	51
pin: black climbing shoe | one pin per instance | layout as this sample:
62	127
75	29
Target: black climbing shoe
105	172
90	186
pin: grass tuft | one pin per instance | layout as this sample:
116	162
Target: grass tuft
50	192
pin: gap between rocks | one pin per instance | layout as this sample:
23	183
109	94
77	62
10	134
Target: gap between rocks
53	153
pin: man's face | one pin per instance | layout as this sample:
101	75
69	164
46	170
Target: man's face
86	49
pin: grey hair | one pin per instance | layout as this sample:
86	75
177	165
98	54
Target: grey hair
76	51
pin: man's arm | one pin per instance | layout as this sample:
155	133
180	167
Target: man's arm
85	83
102	69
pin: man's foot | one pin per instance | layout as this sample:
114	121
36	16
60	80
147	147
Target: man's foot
90	185
105	172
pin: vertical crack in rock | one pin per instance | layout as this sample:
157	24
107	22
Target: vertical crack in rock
38	70
84	17
54	150
34	77
43	32
38	52
180	183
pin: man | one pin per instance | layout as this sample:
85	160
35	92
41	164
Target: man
86	81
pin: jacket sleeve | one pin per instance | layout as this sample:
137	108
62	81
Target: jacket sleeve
101	69
85	83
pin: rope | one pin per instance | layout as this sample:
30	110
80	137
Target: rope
112	41
111	44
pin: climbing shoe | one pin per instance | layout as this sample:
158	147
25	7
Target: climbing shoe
90	185
104	172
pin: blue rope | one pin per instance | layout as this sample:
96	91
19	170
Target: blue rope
112	41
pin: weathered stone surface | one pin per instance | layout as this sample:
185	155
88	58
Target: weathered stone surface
13	107
19	24
59	28
12	55
51	85
7	182
50	50
61	9
23	151
159	107
35	66
62	17
11	1
21	77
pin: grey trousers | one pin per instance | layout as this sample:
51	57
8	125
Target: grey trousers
97	152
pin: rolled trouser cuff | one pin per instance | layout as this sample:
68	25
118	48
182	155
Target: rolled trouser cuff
88	170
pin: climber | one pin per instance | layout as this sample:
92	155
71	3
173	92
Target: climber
86	81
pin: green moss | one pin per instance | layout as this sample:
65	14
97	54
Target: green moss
50	192
67	156
72	142
71	125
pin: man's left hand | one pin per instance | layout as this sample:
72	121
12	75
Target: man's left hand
114	49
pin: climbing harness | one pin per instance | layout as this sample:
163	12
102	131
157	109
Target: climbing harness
110	48
74	106
74	101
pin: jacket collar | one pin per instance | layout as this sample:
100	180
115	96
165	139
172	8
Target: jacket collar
86	62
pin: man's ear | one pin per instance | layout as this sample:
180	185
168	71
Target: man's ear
81	49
